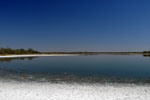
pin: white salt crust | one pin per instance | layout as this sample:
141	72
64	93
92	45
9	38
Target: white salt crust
72	91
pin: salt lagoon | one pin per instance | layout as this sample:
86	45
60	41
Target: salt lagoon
94	77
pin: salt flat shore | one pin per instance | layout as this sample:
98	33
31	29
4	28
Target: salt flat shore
72	91
35	55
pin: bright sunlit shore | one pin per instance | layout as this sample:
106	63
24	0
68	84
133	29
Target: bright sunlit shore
34	55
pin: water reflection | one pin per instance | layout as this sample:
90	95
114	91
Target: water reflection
17	58
92	68
146	55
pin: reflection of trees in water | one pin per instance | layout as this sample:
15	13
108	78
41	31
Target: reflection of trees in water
146	55
18	58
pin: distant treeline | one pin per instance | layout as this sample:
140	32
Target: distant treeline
4	51
146	51
93	53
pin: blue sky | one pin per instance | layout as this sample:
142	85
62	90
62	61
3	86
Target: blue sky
75	25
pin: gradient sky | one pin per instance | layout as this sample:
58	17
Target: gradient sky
75	25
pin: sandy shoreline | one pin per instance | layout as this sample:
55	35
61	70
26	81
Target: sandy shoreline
40	55
64	91
35	55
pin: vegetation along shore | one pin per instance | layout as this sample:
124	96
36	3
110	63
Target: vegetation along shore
9	51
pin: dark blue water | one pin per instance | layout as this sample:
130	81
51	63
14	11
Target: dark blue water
128	66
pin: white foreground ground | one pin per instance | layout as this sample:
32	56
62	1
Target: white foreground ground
70	91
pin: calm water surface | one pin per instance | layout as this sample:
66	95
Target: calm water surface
122	66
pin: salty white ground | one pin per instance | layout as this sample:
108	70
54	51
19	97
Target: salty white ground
72	91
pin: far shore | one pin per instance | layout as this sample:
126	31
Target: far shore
72	54
33	55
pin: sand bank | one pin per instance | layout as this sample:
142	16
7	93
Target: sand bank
34	55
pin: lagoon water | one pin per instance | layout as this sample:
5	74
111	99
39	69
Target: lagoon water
99	66
91	77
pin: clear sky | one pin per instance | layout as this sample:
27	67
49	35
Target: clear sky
75	25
